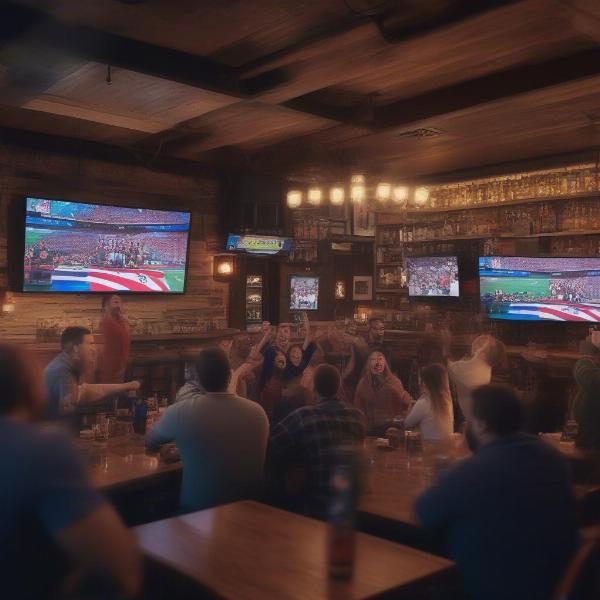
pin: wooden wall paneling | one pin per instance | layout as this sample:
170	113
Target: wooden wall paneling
24	172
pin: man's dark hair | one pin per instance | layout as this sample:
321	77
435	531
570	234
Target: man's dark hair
106	299
374	320
214	370
73	336
327	381
498	407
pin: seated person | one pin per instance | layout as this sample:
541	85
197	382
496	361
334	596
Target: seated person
310	438
380	395
53	524
221	437
432	412
66	394
507	513
587	402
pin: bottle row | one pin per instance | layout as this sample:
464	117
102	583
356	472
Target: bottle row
541	184
546	217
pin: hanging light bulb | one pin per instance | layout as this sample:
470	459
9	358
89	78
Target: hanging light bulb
358	191
314	196
383	192
400	194
421	196
336	195
294	198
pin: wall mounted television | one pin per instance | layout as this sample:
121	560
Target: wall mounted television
432	276
304	292
74	247
524	288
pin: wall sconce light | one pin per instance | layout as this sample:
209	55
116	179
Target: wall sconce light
336	195
358	191
383	192
400	195
224	267
294	198
314	196
340	289
421	196
7	302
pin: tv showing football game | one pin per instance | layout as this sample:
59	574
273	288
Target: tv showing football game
432	276
304	293
540	289
86	248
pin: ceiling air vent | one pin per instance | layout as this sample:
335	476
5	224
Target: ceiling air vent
421	132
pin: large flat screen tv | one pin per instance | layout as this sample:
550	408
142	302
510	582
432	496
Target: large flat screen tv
540	289
304	293
86	248
432	276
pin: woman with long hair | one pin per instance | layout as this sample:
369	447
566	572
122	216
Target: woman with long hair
432	412
380	395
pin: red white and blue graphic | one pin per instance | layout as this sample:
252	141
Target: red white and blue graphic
540	289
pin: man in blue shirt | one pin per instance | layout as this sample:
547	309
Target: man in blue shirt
53	523
67	396
507	513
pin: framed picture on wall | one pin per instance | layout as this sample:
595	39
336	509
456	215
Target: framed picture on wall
340	289
363	220
362	287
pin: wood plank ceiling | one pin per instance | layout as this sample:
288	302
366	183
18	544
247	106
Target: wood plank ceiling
309	87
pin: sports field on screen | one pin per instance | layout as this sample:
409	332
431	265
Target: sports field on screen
535	286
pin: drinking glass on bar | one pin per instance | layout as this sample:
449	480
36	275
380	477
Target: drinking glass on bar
414	445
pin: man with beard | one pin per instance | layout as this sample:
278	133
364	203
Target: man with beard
507	513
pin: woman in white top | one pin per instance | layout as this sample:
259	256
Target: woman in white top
469	373
433	410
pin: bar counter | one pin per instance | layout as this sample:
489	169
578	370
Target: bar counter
144	487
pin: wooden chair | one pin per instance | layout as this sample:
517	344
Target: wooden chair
581	580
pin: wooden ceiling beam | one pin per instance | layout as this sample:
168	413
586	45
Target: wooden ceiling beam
33	26
490	88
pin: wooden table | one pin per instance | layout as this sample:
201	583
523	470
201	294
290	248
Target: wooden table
123	461
138	483
248	550
394	482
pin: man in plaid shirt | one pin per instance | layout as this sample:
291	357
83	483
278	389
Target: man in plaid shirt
311	437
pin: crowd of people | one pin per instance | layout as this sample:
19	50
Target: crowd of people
93	250
251	415
434	276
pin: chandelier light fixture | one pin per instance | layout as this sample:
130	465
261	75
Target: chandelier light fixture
314	196
421	196
336	195
383	192
358	190
294	198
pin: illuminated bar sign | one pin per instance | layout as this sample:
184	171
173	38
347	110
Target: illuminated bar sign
258	244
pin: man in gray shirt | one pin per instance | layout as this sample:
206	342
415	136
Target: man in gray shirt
222	438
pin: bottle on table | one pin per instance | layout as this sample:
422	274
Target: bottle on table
140	414
344	489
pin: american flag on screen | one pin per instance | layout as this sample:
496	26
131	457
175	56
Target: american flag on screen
557	311
66	279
